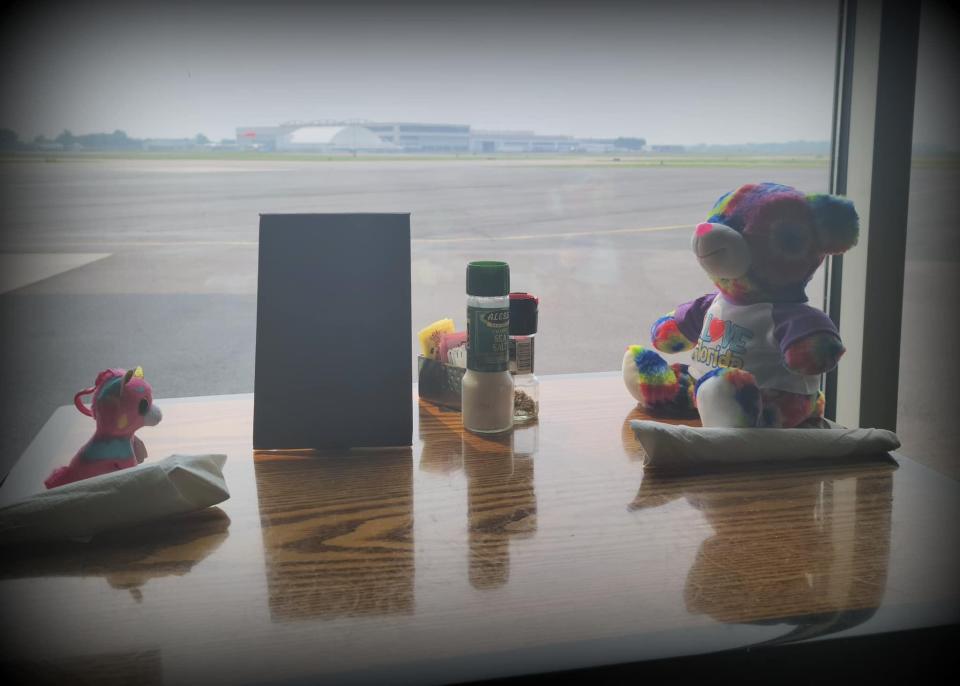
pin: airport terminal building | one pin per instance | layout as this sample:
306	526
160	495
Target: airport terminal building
332	139
520	141
408	137
413	137
392	136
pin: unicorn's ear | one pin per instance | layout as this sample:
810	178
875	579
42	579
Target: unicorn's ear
126	378
837	223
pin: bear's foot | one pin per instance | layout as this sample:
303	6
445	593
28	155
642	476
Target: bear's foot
659	387
783	410
728	397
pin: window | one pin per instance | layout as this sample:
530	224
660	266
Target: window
927	403
133	257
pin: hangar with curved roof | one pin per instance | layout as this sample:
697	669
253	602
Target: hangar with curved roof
348	138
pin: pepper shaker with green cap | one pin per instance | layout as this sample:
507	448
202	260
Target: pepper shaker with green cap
487	400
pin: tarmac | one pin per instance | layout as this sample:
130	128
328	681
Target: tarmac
154	263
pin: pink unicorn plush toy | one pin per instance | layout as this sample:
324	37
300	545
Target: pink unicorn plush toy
122	403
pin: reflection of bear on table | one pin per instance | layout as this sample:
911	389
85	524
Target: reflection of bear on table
756	570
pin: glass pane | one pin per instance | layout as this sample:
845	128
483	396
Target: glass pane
579	142
927	404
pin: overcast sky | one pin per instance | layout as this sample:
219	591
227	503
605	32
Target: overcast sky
672	72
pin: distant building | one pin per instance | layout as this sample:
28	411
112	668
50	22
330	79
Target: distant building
259	137
332	139
398	136
667	148
415	137
598	145
419	137
162	144
519	141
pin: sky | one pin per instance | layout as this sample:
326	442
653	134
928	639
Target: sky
671	72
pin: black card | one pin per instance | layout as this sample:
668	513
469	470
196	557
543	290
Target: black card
333	332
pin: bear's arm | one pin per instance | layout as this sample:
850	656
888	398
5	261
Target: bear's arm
680	329
808	339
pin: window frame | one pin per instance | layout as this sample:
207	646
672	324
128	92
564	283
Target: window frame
870	163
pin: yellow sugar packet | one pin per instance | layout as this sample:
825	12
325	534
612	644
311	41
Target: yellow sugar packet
430	337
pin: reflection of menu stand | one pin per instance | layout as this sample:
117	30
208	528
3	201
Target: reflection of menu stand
501	501
337	533
761	566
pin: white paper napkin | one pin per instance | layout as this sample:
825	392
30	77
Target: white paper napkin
667	445
154	489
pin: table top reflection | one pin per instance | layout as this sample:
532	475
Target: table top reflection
467	558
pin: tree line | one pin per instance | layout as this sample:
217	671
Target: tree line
118	140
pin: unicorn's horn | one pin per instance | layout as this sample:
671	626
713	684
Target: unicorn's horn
126	378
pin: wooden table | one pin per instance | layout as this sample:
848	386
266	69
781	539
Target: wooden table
465	558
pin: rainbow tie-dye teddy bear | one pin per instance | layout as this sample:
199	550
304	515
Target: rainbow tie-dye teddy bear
757	349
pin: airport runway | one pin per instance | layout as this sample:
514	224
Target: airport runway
154	262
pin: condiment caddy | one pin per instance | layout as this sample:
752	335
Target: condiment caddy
486	372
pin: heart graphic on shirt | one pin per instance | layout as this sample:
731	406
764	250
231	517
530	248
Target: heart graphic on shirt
717	327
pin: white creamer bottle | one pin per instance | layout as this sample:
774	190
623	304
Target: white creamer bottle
487	401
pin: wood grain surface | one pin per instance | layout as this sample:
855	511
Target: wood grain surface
465	557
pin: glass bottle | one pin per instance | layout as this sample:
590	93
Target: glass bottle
524	310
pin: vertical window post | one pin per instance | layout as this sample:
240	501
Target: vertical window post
876	76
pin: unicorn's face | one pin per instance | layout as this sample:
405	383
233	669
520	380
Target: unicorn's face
124	403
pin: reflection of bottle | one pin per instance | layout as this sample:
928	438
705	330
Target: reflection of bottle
523	329
488	462
501	503
526	439
487	400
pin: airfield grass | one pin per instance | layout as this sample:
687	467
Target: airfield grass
539	159
951	161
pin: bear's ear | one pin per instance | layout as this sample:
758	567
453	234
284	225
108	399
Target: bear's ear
837	223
